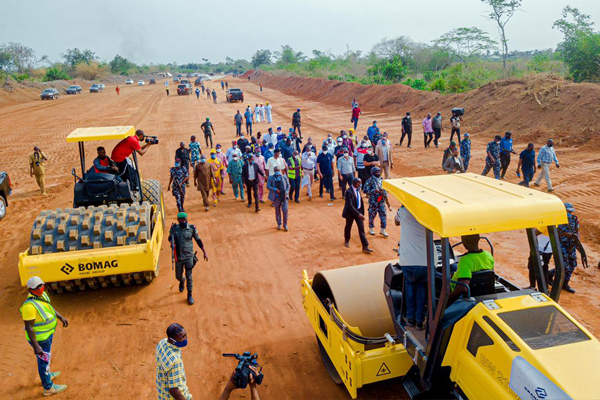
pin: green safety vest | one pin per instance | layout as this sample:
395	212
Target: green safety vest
291	170
43	329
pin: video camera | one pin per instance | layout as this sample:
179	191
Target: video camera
241	376
151	139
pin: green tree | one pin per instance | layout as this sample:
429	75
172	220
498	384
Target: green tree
388	71
18	57
502	11
121	65
288	55
56	74
76	56
466	43
580	48
261	57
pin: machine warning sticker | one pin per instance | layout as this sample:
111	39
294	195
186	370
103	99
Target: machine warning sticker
383	370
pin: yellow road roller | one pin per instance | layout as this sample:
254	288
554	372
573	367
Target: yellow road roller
112	233
495	342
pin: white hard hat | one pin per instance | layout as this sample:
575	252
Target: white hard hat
34	282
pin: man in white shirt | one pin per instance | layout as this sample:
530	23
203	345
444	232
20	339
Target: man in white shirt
233	150
276	160
412	252
309	161
268	115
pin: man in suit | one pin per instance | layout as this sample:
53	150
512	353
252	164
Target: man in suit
354	210
250	173
384	153
279	188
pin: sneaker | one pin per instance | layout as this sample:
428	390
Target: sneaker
278	227
181	286
371	231
550	190
333	198
410	323
206	208
55	389
285	228
383	233
54	375
536	184
249	205
347	244
257	210
410	147
420	326
568	288
297	201
321	195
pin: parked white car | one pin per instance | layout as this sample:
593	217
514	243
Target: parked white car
141	83
129	82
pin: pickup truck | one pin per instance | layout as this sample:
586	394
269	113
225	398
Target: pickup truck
184	88
5	190
235	95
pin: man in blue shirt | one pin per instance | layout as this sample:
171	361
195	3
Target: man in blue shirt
372	131
269	152
248	116
325	172
527	164
506	148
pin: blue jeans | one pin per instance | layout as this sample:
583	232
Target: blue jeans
415	292
355	121
527	177
43	366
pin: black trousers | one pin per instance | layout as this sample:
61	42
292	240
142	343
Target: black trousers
346	182
437	133
252	186
208	137
504	162
327	182
427	138
297	126
457	131
361	230
409	134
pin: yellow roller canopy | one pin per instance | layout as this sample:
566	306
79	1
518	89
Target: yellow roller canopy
100	133
464	204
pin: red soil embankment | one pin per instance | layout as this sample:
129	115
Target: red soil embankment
537	106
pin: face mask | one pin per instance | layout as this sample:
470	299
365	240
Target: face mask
374	124
177	165
213	156
202	160
38	292
218	150
346	155
181	344
550	145
235	147
258	154
183	224
383	141
370	152
345	136
277	173
250	162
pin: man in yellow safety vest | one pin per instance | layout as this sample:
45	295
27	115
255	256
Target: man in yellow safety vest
40	323
295	175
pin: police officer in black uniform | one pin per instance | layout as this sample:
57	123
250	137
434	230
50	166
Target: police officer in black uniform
181	236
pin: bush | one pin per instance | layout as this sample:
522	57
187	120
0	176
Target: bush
439	84
55	74
416	83
21	77
91	71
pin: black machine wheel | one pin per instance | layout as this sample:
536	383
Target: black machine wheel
328	364
152	193
83	228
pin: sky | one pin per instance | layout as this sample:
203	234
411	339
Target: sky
153	31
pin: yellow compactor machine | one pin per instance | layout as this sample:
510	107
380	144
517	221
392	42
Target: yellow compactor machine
497	342
111	235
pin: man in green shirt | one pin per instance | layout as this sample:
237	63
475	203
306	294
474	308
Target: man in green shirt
473	261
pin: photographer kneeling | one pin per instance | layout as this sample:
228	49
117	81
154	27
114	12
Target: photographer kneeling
127	146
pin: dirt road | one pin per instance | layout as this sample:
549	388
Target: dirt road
247	295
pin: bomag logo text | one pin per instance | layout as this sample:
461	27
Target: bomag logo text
96	265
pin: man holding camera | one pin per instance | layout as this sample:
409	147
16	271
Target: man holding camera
182	247
230	387
127	146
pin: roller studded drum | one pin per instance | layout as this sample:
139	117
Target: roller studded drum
82	228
